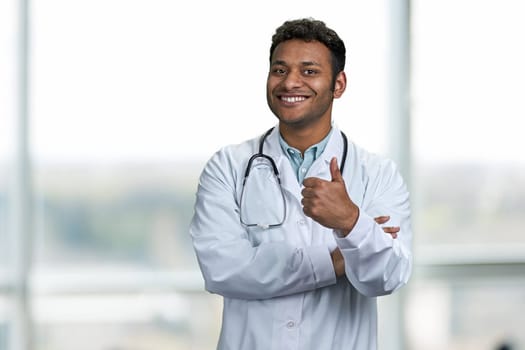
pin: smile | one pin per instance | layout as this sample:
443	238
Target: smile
292	99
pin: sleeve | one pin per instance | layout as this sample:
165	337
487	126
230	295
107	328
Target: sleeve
375	263
230	264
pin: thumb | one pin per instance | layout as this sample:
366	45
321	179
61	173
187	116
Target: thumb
334	170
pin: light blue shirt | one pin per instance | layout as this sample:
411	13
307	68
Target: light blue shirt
299	163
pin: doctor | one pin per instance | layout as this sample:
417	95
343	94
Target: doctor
300	229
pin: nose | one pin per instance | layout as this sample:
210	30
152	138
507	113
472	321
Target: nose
292	80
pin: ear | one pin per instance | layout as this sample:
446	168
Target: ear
340	84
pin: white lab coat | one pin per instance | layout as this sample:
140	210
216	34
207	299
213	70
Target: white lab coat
279	286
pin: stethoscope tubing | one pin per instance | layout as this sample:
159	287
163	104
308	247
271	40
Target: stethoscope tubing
272	162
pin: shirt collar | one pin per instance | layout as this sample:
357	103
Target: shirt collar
317	149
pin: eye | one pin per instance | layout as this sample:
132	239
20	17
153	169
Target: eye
279	71
310	71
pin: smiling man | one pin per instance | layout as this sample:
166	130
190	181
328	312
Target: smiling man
300	229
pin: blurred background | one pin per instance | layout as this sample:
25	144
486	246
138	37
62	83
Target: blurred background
109	110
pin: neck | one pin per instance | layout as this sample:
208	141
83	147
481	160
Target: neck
301	139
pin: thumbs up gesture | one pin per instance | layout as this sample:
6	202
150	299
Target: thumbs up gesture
328	203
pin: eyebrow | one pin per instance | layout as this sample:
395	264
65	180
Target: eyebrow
304	63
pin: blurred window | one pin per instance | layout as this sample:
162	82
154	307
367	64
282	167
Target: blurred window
8	96
129	100
468	84
466	313
468	174
8	49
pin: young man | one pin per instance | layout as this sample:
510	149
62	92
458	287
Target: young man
290	228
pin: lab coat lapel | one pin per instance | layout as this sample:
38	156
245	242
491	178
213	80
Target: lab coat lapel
351	173
288	179
334	148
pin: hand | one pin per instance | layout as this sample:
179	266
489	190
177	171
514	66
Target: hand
338	262
337	257
391	230
328	203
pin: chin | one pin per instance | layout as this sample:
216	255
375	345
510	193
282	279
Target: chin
290	120
288	117
296	123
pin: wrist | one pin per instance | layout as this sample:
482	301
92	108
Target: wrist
338	262
349	226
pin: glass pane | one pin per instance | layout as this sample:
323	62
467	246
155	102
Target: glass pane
139	322
466	314
469	172
120	131
4	321
8	97
468	82
126	214
112	181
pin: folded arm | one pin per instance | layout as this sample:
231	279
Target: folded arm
374	262
231	265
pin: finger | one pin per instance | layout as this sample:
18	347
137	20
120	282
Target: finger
307	211
392	229
310	182
334	170
382	219
394	235
308	192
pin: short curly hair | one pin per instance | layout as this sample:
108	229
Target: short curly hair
309	29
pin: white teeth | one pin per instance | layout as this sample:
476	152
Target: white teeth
293	99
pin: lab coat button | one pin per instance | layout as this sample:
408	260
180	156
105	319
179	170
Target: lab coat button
290	324
301	222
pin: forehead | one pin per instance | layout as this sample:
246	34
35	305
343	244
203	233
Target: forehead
297	51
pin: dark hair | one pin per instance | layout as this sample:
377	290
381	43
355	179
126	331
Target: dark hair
309	29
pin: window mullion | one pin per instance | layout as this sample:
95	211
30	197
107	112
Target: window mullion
21	219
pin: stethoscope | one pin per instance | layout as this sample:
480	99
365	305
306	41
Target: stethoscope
280	218
261	154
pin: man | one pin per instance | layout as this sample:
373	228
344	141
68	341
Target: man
297	247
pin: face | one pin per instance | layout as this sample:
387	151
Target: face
300	87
